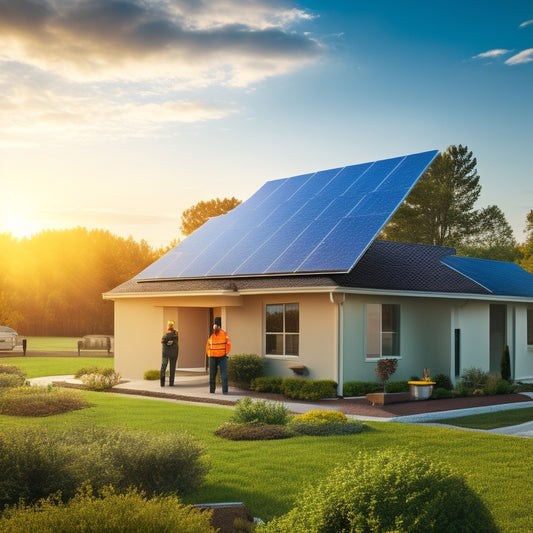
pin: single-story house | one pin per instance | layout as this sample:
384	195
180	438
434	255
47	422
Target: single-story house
298	277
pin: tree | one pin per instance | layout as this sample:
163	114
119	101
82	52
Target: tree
526	249
440	208
199	214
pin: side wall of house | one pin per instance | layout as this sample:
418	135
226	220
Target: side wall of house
522	358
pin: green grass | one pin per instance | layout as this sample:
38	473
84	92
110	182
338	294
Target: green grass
36	367
269	475
52	344
496	419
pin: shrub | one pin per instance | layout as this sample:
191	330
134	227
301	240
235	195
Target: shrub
317	389
385	368
152	375
244	368
124	513
40	401
520	386
248	411
359	388
442	381
388	491
167	463
503	387
99	378
11	380
397	386
291	387
440	392
324	423
474	378
266	384
505	365
461	390
321	416
34	464
233	431
11	369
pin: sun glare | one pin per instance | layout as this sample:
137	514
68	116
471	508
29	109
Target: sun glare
17	222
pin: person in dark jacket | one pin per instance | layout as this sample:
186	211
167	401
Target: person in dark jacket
170	349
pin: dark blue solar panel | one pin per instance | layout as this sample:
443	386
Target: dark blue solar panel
318	222
500	278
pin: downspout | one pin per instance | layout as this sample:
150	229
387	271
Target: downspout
338	298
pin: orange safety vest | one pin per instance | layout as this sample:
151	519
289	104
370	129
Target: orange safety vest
218	345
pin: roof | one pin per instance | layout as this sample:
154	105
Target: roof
387	266
322	222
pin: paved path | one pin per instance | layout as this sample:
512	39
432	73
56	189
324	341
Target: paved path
193	387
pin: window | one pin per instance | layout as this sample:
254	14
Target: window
382	330
282	329
530	327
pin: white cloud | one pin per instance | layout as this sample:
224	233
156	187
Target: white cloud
525	56
118	66
526	23
491	54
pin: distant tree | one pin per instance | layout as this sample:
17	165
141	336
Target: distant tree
440	208
526	249
199	214
494	239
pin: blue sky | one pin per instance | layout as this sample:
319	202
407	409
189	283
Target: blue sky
122	114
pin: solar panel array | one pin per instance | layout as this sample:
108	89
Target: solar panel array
321	222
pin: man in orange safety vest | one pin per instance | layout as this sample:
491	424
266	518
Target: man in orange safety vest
217	349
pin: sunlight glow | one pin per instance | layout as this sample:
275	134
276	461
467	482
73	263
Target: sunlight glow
18	222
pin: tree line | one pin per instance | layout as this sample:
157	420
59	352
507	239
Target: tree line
52	283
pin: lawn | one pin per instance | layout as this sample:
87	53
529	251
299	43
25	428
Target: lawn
269	475
56	366
492	420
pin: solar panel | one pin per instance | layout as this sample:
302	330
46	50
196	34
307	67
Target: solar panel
313	223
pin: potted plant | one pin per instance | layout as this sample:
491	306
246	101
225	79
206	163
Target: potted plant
385	368
421	389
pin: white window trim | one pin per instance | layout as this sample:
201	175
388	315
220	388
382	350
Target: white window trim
283	356
381	356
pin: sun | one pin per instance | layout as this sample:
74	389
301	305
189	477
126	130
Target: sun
18	222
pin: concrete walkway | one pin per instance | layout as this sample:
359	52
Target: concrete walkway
193	388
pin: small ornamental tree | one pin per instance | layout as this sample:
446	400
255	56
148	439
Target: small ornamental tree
385	369
505	368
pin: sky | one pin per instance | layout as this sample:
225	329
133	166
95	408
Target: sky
121	114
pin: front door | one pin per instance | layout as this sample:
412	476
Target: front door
498	335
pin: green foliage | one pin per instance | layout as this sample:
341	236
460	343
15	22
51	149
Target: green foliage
267	384
462	390
321	416
40	401
252	431
36	463
475	378
152	375
384	492
397	386
359	388
440	392
321	423
244	368
11	369
248	411
296	388
11	380
503	387
100	378
197	215
442	381
120	513
520	386
505	366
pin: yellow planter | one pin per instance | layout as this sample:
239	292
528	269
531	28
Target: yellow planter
421	390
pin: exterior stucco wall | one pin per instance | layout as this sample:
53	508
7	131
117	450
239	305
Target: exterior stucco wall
522	358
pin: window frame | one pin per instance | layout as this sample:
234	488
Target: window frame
379	335
529	328
283	333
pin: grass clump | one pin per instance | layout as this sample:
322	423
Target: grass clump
152	375
120	513
253	431
248	411
384	492
40	401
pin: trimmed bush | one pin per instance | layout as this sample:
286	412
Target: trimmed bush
257	431
503	387
505	365
152	375
125	513
397	386
321	416
244	368
324	423
440	392
385	492
98	379
442	381
9	381
248	411
267	384
360	388
40	401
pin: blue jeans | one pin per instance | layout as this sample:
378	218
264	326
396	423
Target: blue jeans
221	362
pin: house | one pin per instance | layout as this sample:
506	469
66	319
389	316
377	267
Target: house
298	277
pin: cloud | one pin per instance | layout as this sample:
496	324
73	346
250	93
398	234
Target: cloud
89	66
526	23
525	56
490	54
